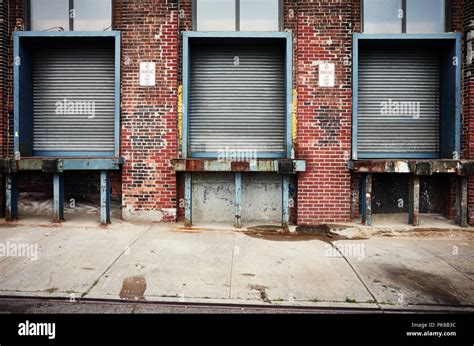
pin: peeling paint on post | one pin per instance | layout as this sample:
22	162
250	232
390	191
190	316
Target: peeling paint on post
414	200
294	119
180	115
286	202
366	199
11	197
461	201
58	197
238	200
188	186
354	198
104	197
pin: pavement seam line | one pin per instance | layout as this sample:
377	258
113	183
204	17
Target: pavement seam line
232	267
357	274
114	261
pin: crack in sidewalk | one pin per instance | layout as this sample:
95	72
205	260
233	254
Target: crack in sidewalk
127	247
232	267
357	274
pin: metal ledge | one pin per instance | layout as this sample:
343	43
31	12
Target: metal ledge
282	166
416	167
58	165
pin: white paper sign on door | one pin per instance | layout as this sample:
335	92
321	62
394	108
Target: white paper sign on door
326	75
147	74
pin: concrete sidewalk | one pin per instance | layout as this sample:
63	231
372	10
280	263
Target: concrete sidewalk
165	262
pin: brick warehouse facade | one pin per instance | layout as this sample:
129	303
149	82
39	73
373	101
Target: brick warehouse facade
151	117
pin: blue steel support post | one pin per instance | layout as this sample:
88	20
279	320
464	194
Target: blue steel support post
238	200
188	187
461	201
366	199
286	202
11	197
58	197
362	205
104	197
414	200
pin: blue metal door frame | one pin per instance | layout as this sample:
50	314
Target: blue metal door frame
288	76
455	38
18	52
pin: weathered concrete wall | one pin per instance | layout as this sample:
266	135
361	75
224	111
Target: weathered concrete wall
261	198
213	197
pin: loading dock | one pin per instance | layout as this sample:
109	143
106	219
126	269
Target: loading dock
237	101
67	111
461	169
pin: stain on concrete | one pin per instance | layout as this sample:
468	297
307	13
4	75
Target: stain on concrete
9	224
438	288
262	291
133	288
247	274
424	232
51	290
320	232
267	228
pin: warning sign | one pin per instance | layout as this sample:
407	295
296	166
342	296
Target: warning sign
326	75
147	74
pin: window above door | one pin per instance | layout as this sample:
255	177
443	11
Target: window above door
68	15
405	16
237	15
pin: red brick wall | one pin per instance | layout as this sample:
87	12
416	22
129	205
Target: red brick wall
324	114
16	23
149	114
4	40
468	97
457	15
356	16
4	30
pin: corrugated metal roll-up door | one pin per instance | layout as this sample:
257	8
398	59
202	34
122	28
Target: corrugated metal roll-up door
237	98
73	99
399	103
